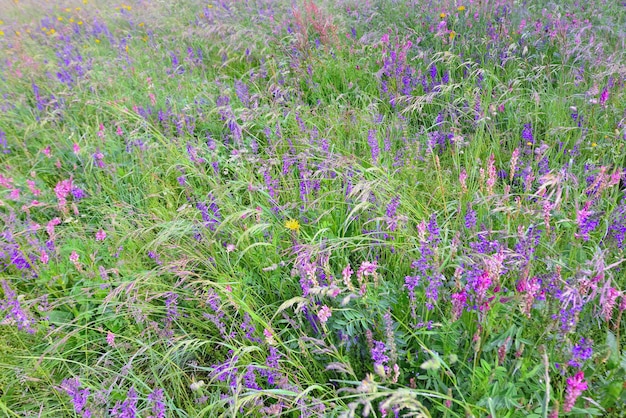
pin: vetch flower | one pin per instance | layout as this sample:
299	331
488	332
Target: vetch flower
576	385
157	399
79	397
110	339
100	235
324	314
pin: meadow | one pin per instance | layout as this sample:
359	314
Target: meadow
312	208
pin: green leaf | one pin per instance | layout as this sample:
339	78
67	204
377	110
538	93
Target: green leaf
60	317
613	358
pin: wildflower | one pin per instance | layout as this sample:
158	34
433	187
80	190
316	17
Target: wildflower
452	35
527	134
158	405
100	235
604	96
372	141
461	8
128	407
79	397
324	314
575	387
269	337
581	352
110	339
442	15
379	357
292	225
14	311
608	300
74	257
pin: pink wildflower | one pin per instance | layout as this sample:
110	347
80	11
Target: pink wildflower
100	235
44	257
76	148
15	194
50	226
575	387
62	190
269	337
463	179
324	314
31	186
111	339
608	300
347	274
6	182
492	174
74	257
47	151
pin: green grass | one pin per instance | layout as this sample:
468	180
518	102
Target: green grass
192	132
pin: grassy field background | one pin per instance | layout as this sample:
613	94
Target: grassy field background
312	208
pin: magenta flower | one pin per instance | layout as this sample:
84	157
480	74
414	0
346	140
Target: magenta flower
576	385
74	257
100	235
44	257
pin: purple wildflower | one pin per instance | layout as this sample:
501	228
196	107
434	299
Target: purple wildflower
379	357
527	134
581	352
79	397
372	141
14	310
157	399
171	307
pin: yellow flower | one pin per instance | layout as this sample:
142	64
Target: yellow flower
452	35
593	144
51	31
80	22
292	225
1	33
60	19
442	15
461	8
97	41
71	20
529	143
141	25
18	33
